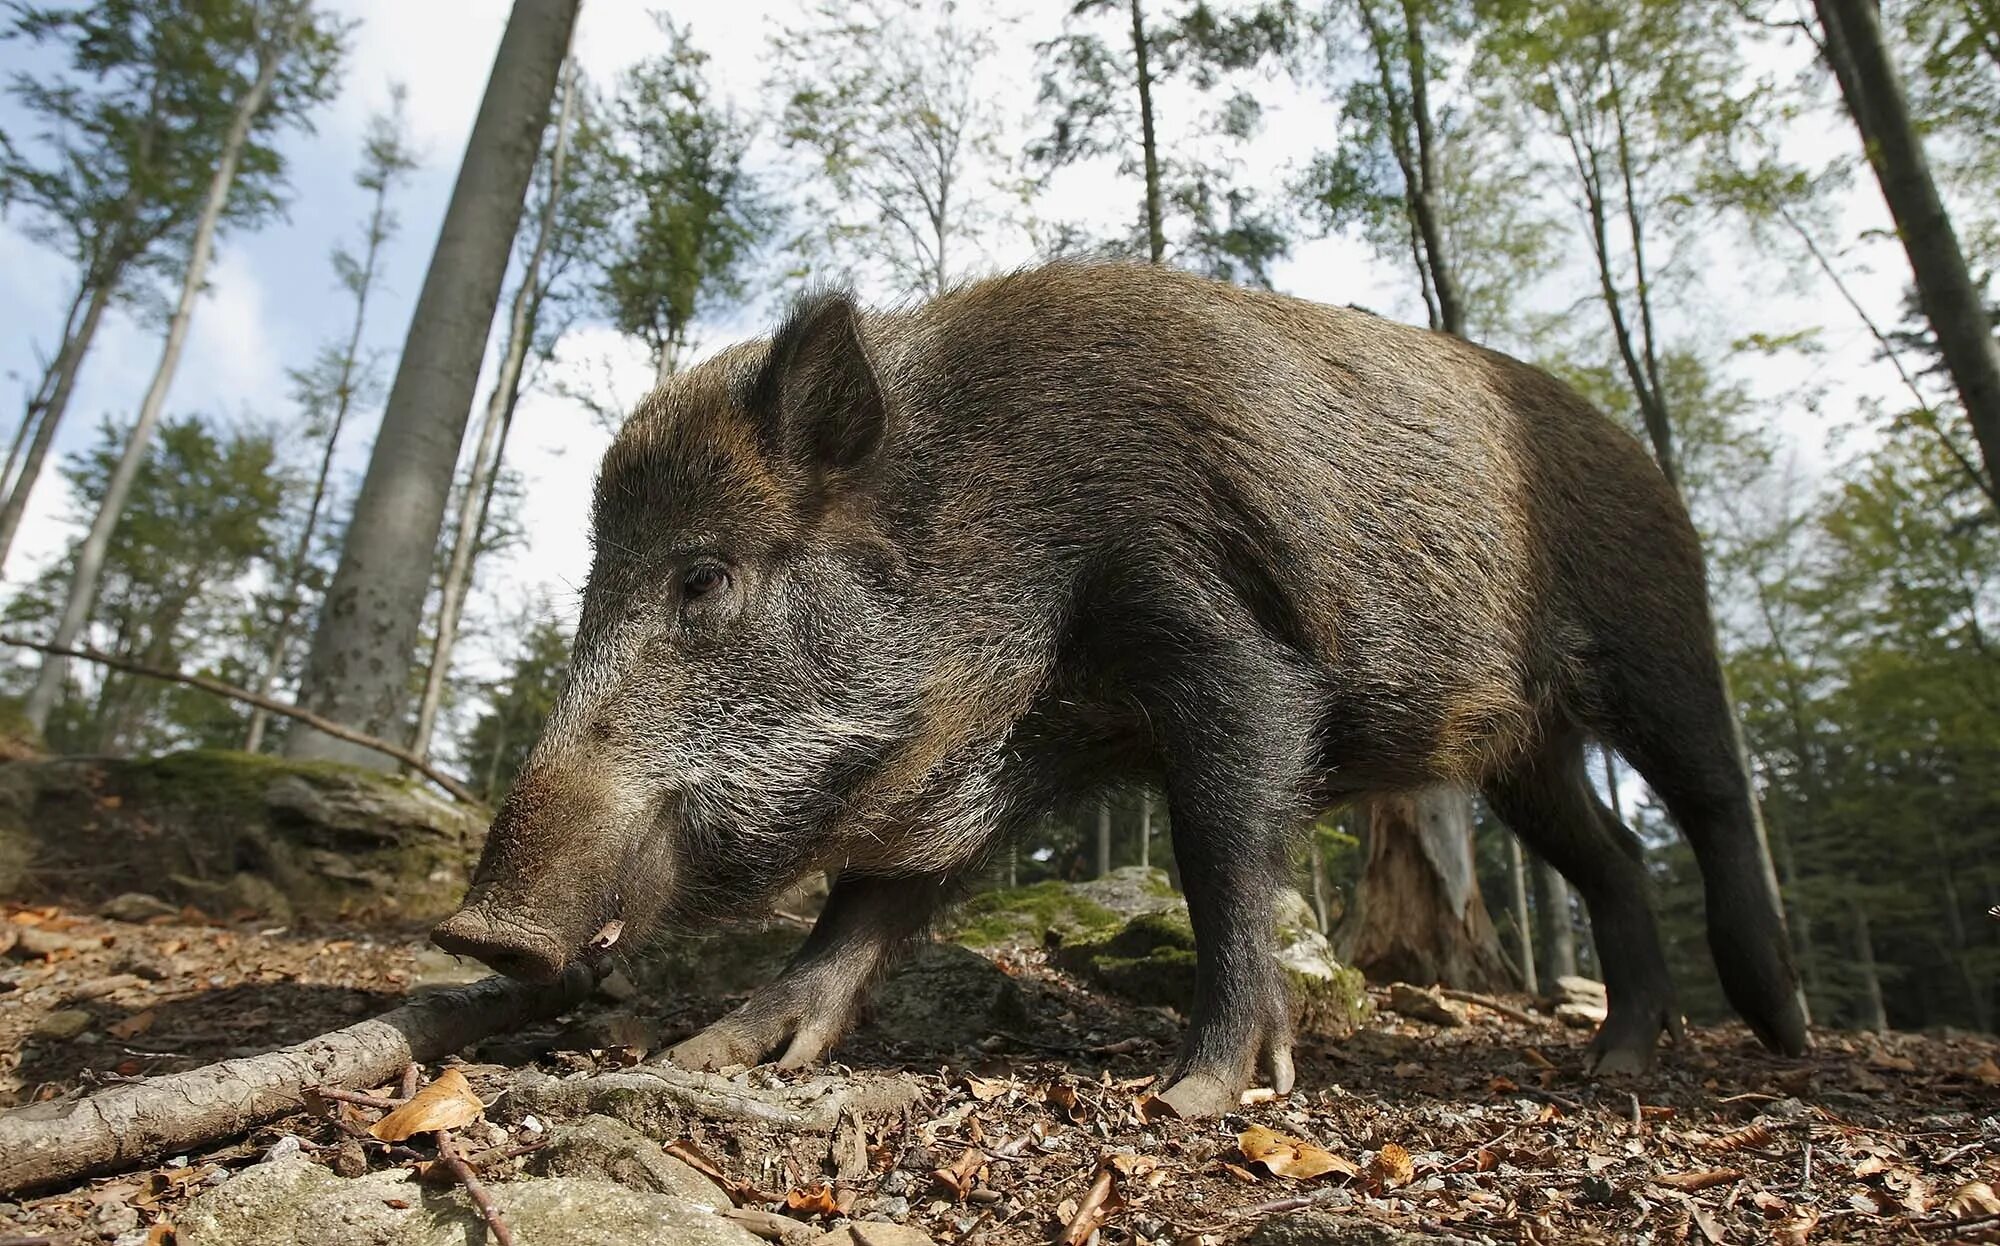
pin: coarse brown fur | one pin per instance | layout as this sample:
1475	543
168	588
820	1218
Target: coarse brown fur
1090	525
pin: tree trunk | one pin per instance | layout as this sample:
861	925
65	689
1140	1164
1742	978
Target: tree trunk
1146	829
1419	917
90	558
1316	861
69	361
358	668
1103	837
1156	238
1875	1017
485	467
1423	196
1873	91
1517	873
1558	933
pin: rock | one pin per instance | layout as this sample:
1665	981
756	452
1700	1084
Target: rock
1151	960
1029	915
1580	1016
295	1202
63	1024
1131	891
112	1219
874	1233
1422	1005
656	1098
946	996
230	831
1318	1227
603	1149
1571	989
136	907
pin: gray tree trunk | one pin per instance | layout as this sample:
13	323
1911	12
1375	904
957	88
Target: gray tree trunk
358	668
1876	1016
1873	91
49	417
1517	872
1103	837
1557	935
90	558
1156	238
1146	829
484	471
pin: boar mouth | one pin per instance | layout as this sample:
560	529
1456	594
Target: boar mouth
504	943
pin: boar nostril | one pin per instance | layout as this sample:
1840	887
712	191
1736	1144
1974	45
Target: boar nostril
507	947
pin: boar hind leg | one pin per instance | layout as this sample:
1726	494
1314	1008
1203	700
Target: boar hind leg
802	1013
1549	803
1235	747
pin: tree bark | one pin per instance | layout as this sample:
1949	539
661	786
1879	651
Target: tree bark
1103	838
90	558
1517	872
1419	917
361	652
1876	1016
1873	91
484	470
69	361
135	1123
1156	238
1423	196
1146	829
1558	934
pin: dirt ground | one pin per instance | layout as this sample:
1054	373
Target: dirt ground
1482	1132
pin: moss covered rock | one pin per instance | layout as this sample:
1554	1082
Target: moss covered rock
1020	915
234	832
1150	959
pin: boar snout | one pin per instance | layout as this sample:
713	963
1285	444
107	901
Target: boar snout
550	877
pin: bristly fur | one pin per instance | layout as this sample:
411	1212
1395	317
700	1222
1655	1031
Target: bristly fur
1096	524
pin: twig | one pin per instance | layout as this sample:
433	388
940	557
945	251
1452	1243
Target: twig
412	1078
1805	1167
358	1098
488	1209
1090	1213
218	688
1474	1152
501	1154
1491	1005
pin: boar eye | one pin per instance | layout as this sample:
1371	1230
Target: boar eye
701	580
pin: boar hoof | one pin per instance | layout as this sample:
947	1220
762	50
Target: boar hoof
1621	1050
717	1047
1200	1095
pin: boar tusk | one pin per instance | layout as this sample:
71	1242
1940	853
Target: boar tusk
604	938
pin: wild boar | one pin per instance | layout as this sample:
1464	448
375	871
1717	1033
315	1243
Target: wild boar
876	594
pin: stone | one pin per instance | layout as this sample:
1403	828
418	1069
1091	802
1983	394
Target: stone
1581	1016
1318	1227
946	996
63	1024
603	1149
295	1202
1419	1004
1030	915
1571	989
136	907
874	1233
656	1098
1132	891
229	831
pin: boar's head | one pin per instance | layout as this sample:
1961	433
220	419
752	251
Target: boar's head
741	659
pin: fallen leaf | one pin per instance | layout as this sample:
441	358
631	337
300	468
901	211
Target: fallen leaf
447	1103
1710	1227
1748	1136
1132	1165
1870	1166
131	1027
1502	1085
1391	1167
1795	1232
1238	1171
1289	1157
986	1090
1974	1198
1704	1180
963	1173
1986	1072
1883	1060
1256	1095
1536	1058
815	1200
1770	1204
161	1234
1063	1097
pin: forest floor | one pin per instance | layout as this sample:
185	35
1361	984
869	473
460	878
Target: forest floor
1406	1131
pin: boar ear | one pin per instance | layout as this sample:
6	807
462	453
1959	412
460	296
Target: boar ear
817	401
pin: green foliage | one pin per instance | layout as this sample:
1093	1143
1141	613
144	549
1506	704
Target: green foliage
518	706
663	182
203	513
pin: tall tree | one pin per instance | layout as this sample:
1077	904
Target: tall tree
356	673
273	34
694	215
1101	86
499	741
120	170
886	98
340	376
476	498
1856	51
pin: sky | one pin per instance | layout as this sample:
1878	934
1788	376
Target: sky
272	299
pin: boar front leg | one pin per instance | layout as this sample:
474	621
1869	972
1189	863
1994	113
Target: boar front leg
803	1012
1237	744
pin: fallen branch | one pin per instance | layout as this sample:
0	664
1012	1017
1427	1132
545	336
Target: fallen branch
135	1123
1487	1002
325	726
475	1189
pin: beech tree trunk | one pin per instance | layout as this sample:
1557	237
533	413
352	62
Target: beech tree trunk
1156	238
90	558
1557	934
1873	92
1146	829
1517	872
1419	917
1103	837
484	471
46	417
1874	1016
357	670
